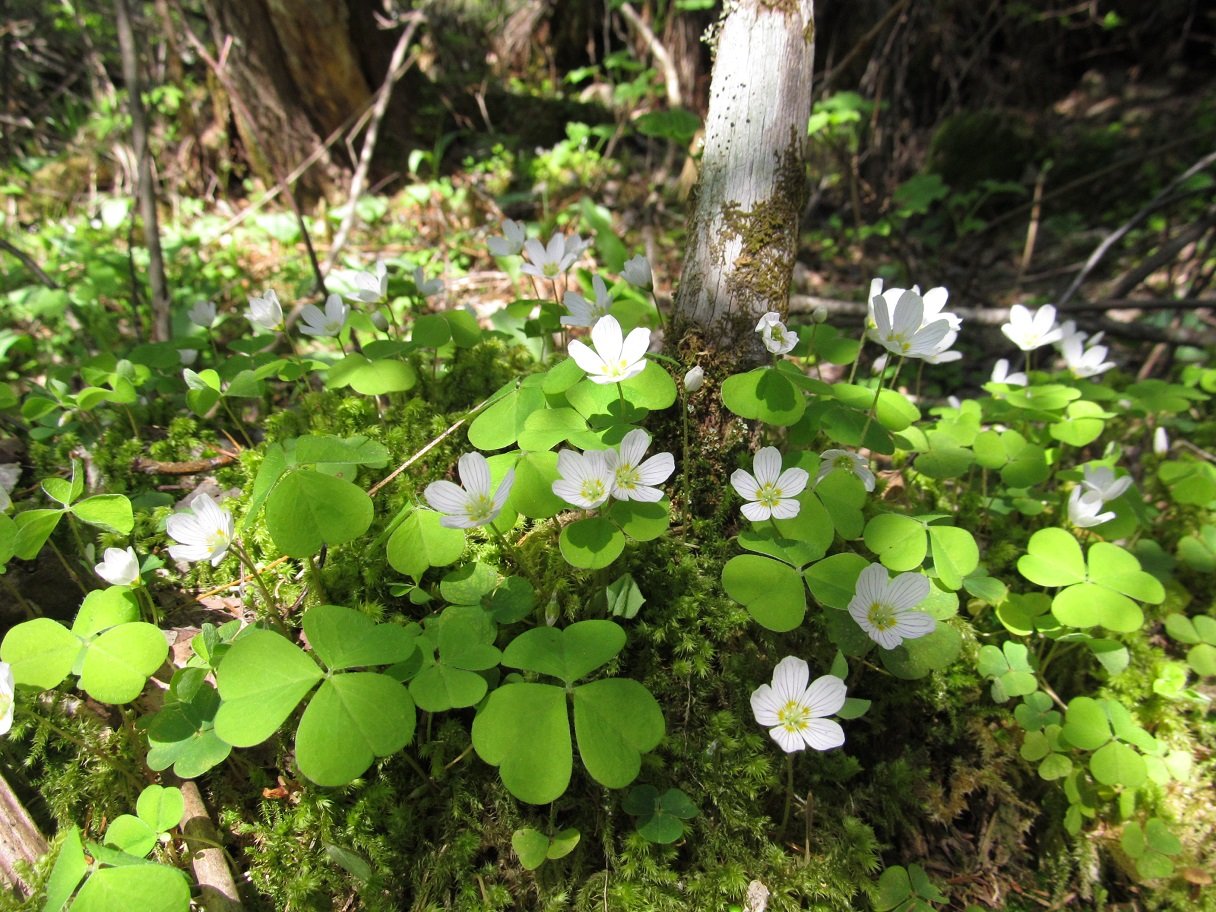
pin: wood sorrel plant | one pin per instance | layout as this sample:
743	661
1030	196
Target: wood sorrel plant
872	538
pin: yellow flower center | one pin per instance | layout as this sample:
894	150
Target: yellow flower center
793	716
768	495
217	540
881	617
627	477
592	489
481	508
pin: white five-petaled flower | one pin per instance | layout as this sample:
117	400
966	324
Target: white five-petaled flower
584	312
512	241
637	272
1085	508
119	567
854	464
202	534
1001	374
633	478
547	262
795	714
7	689
770	492
426	287
1102	481
1084	362
470	503
368	286
884	607
614	357
900	327
202	314
776	338
1029	331
328	322
265	312
587	479
694	379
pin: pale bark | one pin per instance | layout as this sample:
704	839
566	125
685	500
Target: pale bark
743	231
20	838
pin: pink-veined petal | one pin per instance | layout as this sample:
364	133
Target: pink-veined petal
887	639
871	586
572	466
908	590
767	465
786	508
792	482
756	512
789	679
657	469
474	474
825	696
913	624
744	483
765	705
788	741
823	734
446	497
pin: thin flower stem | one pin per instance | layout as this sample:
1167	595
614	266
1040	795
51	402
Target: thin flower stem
236	421
272	606
658	310
861	344
67	566
789	791
145	598
809	811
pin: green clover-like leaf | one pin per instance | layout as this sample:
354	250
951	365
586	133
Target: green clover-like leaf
570	653
262	679
309	509
772	592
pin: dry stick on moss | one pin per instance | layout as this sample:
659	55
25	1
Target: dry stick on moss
211	870
217	67
20	839
396	69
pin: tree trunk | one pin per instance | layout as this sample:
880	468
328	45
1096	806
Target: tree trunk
293	65
743	230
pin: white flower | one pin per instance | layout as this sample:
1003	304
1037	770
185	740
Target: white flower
943	353
831	460
7	688
202	314
632	478
202	534
1084	362
575	246
883	607
1085	508
10	474
187	356
637	272
547	262
694	379
426	287
794	713
776	338
512	242
119	567
586	478
935	300
900	327
1030	331
613	358
470	503
265	312
1102	481
1000	374
368	287
584	312
328	322
770	492
1161	441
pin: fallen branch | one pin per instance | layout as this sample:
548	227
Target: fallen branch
215	880
20	838
671	79
149	466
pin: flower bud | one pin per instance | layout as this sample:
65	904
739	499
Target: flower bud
380	321
1161	441
694	379
820	314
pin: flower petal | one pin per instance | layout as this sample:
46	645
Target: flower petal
789	679
787	740
825	696
756	512
907	591
913	624
633	447
585	357
657	469
786	508
765	705
767	465
606	337
474	473
446	497
823	734
791	482
744	484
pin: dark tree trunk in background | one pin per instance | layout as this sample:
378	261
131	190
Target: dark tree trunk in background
145	189
743	230
293	63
